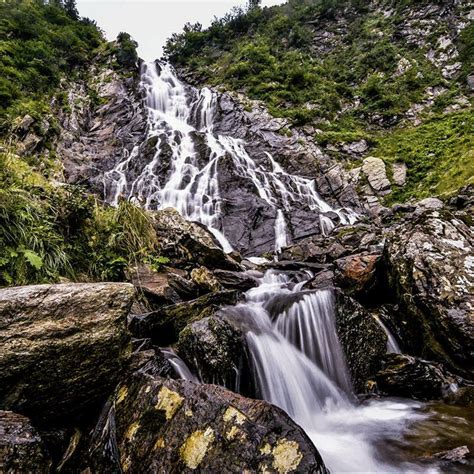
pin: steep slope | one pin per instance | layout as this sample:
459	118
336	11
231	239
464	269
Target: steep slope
386	78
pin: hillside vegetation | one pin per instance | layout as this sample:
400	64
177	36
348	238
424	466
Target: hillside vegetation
353	70
49	230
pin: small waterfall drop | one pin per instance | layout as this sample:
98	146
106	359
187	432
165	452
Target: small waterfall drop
299	366
179	117
392	344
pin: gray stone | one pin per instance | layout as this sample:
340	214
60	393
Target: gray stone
374	169
21	448
63	347
399	173
470	81
430	203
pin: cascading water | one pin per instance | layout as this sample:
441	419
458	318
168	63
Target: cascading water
299	366
298	362
177	115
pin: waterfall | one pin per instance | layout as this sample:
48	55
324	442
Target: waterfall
309	324
299	366
297	360
179	366
177	116
392	344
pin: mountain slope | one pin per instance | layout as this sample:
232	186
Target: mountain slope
349	71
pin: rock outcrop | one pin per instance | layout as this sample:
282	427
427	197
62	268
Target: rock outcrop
363	340
21	447
97	134
406	376
164	325
171	426
429	259
63	347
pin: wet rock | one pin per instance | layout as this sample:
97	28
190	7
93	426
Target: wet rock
324	279
190	243
63	347
406	376
164	325
205	279
180	426
215	349
21	447
356	274
341	242
363	340
156	286
456	455
374	169
236	280
429	261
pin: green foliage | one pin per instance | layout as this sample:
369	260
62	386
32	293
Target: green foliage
39	42
126	54
270	53
48	232
439	155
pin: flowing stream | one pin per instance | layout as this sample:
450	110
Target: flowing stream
298	363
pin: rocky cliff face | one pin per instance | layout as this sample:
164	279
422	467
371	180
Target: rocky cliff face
104	119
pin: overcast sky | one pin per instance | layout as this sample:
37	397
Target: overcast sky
151	22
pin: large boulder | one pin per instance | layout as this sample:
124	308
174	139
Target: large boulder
405	376
63	347
178	426
430	264
164	325
357	273
363	340
215	348
21	447
189	243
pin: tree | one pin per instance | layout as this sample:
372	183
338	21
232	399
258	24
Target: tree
71	9
254	4
127	51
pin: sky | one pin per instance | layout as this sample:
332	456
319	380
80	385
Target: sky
151	22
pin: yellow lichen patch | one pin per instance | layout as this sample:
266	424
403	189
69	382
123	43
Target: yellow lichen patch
125	462
234	432
286	456
122	394
169	402
159	443
267	449
263	469
148	388
195	447
132	429
232	414
188	412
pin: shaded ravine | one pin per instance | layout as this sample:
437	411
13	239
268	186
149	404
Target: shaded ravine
297	360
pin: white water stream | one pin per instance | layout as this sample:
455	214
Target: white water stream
176	114
297	358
